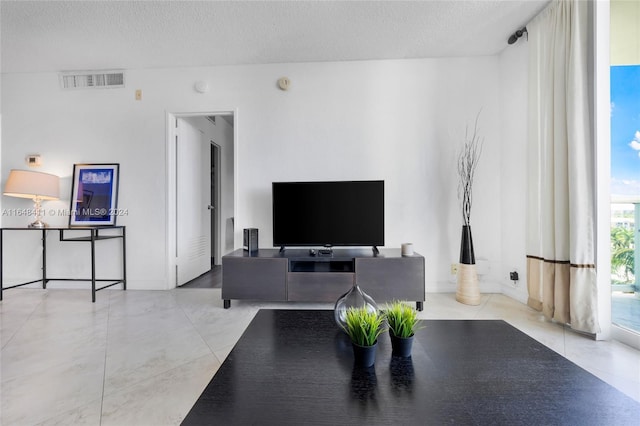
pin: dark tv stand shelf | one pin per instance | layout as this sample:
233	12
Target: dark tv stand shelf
296	275
314	265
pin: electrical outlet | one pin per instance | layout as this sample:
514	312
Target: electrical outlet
454	269
513	276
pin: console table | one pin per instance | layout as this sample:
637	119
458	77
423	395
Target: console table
90	235
296	275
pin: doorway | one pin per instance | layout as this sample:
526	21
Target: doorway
214	205
201	175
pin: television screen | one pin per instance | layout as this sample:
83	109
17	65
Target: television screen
347	213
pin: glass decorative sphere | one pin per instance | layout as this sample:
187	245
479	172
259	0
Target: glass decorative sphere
354	298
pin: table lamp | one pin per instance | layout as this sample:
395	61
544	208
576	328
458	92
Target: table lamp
35	185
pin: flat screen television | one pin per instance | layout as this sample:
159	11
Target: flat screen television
341	213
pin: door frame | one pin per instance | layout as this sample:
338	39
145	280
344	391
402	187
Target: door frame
216	243
170	184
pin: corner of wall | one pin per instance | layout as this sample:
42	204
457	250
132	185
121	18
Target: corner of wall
519	292
513	170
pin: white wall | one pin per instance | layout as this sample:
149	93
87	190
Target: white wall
513	169
625	32
401	121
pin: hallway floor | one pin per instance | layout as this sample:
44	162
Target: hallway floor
211	279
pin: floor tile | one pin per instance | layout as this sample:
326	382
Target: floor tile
164	399
33	398
86	415
144	346
144	357
17	309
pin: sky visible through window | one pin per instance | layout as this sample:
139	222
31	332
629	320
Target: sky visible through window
625	131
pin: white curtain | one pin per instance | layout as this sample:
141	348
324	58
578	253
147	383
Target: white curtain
561	274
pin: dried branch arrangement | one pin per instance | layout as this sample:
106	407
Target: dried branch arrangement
467	164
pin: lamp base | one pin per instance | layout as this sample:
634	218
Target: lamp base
38	224
37	207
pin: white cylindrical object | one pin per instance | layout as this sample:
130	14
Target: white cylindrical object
468	290
407	249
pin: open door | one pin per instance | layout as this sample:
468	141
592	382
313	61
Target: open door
193	192
215	204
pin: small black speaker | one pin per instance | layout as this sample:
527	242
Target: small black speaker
250	240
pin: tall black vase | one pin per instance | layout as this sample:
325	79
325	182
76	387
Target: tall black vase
466	247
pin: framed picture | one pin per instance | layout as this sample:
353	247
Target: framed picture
94	195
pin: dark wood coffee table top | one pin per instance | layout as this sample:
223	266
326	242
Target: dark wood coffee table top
294	367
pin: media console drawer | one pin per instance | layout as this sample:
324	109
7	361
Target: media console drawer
386	279
318	286
254	278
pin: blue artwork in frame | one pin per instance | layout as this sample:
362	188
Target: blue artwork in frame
94	195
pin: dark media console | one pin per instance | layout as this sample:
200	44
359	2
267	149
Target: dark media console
296	275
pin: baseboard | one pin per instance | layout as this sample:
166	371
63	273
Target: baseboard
450	287
515	293
625	336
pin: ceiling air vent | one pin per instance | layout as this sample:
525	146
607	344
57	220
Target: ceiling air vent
92	79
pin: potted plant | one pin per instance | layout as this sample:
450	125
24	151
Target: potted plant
364	326
403	321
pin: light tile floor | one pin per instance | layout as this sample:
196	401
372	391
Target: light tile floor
144	357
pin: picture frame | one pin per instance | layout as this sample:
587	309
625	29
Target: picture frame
94	194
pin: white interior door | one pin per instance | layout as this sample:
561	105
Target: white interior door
193	191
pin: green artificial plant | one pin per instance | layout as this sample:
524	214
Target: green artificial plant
402	319
364	326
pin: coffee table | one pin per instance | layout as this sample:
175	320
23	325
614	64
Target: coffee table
294	367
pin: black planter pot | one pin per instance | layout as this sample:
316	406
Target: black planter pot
466	247
401	346
364	356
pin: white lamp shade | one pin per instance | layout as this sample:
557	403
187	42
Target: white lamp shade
28	184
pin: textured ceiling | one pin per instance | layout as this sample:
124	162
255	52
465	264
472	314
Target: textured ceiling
74	35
